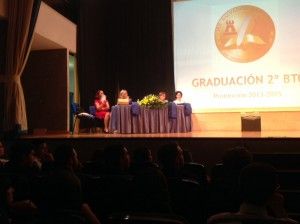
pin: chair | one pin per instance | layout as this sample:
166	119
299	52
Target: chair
281	161
223	191
188	199
93	168
97	121
63	216
75	108
289	179
217	171
79	114
107	194
247	219
291	200
145	218
195	171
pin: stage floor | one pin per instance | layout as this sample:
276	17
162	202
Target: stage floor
194	134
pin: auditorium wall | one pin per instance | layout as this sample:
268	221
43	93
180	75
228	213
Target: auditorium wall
45	83
58	31
270	121
3	8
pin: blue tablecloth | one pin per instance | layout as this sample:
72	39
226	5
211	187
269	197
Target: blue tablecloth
148	120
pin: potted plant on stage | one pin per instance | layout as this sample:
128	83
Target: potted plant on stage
152	101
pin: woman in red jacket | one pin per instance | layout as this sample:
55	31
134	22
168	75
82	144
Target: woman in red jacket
102	108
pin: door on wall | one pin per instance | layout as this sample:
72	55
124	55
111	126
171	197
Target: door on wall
73	86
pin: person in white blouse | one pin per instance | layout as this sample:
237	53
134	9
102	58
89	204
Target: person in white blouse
178	96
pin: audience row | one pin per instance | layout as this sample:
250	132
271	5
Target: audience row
41	186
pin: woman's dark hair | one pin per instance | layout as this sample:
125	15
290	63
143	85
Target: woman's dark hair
97	93
178	92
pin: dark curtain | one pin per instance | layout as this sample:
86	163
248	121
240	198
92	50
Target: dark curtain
125	44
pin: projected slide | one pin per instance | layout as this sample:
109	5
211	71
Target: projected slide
237	55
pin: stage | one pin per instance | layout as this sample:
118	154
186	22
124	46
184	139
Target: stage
207	147
193	134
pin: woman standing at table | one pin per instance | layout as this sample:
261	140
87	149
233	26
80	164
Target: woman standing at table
102	108
178	95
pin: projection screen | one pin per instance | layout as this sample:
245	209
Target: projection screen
237	55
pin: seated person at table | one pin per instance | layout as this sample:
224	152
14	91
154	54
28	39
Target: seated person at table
163	97
123	98
178	96
102	108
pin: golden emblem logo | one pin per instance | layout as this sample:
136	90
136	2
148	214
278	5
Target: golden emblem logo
244	34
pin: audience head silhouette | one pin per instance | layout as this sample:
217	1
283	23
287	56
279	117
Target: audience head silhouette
257	183
237	158
22	154
142	155
116	158
66	157
170	156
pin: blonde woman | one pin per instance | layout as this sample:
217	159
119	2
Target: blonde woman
123	99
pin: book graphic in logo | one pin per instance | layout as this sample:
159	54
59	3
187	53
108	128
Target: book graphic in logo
244	34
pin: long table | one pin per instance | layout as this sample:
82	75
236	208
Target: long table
148	120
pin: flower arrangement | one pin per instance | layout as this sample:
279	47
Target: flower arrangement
151	101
